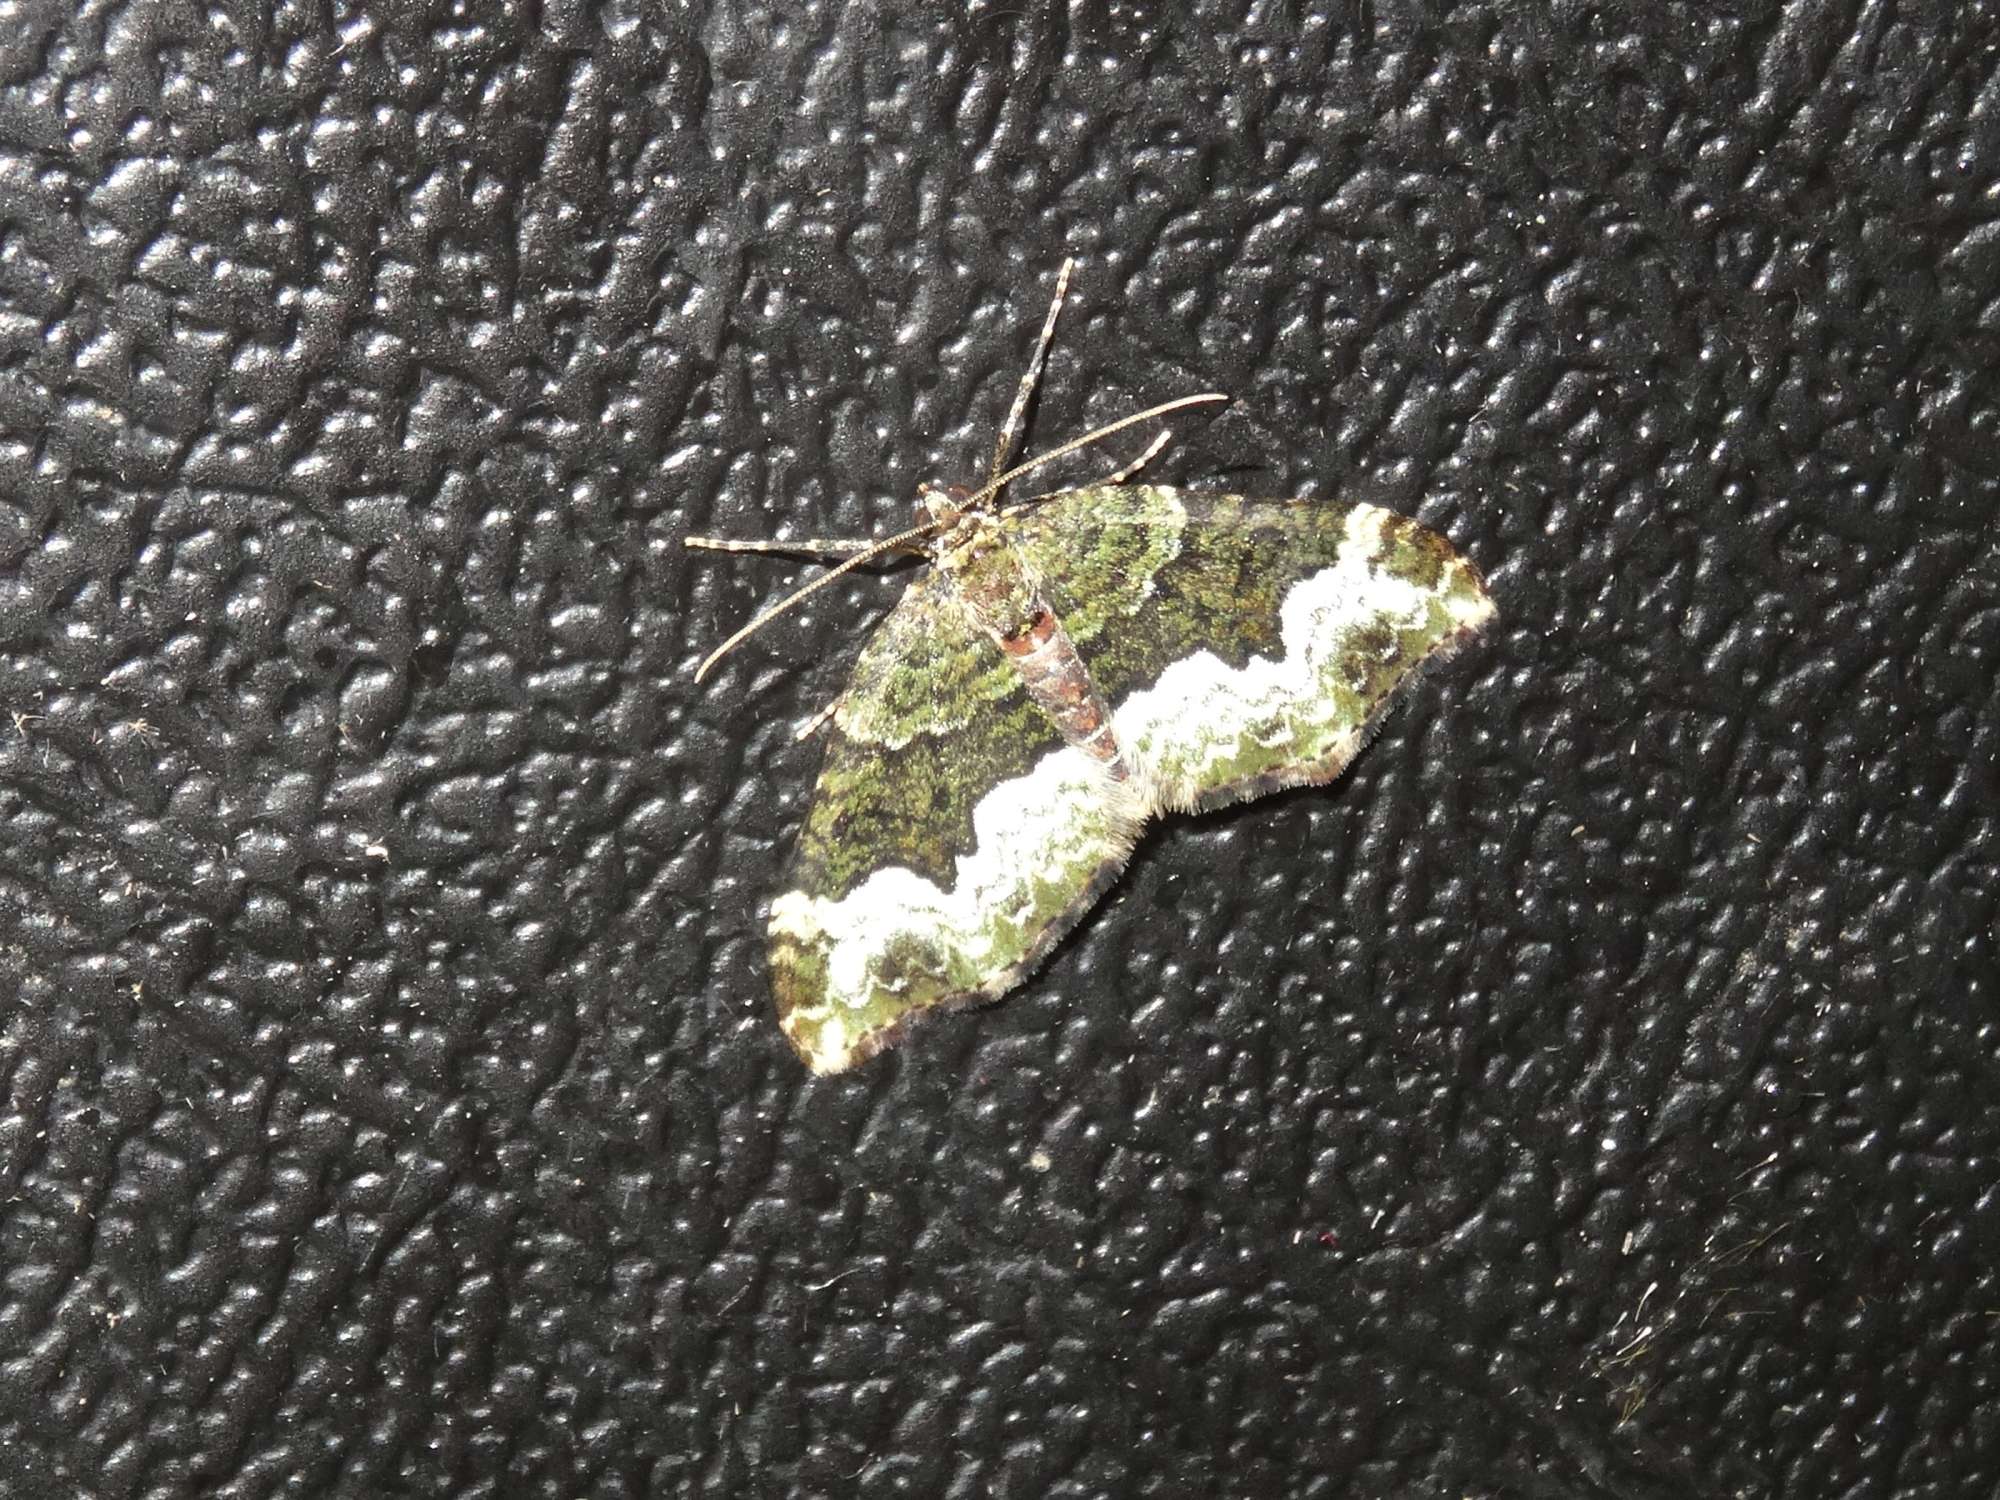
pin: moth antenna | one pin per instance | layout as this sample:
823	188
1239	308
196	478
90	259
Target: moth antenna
1003	447
812	726
995	485
821	546
887	544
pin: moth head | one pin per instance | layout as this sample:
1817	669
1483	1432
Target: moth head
940	508
941	504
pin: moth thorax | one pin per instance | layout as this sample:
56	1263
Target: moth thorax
973	540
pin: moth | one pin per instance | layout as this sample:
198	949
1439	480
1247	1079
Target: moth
1068	667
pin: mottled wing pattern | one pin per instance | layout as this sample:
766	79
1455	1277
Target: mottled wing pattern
952	839
1243	645
1247	645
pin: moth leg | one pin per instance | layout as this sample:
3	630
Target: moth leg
1003	448
1119	476
812	726
813	545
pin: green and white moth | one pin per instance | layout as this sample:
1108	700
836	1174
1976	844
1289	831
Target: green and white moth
1070	667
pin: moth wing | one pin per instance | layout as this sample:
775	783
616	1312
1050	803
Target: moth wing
1245	645
952	839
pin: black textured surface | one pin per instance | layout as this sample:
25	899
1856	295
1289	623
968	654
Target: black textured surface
1592	1095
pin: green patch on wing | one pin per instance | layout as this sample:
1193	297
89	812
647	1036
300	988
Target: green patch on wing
1221	687
850	970
933	718
895	902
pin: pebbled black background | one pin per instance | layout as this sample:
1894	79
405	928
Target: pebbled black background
1591	1095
